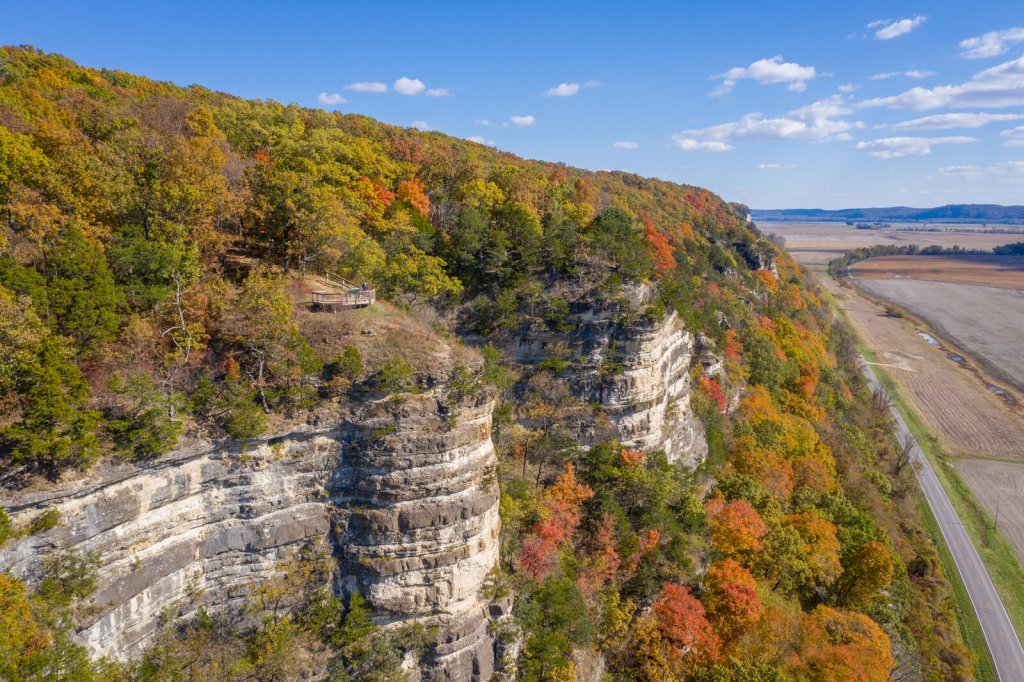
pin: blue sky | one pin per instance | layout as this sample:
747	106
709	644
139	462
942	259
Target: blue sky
772	104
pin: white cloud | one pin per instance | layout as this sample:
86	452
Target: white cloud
995	87
691	145
409	86
1014	137
899	147
991	44
367	87
848	88
952	121
421	125
625	144
330	99
910	73
819	121
966	171
485	122
438	92
972	171
886	29
523	121
563	90
570	89
775	166
767	72
480	139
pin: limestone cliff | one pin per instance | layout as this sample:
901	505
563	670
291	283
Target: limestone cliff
635	367
402	493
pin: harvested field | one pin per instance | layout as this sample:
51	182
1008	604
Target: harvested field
969	419
815	244
998	487
1006	272
984	321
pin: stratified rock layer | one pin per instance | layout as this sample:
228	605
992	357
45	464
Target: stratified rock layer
403	494
401	491
418	521
636	369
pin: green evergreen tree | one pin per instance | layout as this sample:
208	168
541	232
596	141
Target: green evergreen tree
55	431
82	296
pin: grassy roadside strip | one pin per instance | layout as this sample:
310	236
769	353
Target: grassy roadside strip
995	552
970	628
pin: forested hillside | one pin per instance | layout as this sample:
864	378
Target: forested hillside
156	250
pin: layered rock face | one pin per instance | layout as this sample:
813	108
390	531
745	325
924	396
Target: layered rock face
403	495
637	369
418	521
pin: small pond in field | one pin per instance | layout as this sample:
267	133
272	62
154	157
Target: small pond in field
958	359
932	341
1000	392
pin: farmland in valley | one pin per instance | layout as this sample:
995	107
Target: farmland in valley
970	309
976	303
815	244
993	271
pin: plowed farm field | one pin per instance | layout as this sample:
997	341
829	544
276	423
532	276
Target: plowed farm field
954	402
975	304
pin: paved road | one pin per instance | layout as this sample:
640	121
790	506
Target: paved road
995	623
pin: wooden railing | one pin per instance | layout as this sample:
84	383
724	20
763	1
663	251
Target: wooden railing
346	283
356	297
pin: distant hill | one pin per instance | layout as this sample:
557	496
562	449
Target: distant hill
951	213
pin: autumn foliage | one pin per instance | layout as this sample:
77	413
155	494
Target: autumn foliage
175	232
714	389
736	528
631	458
660	247
839	646
561	516
412	191
684	625
731	598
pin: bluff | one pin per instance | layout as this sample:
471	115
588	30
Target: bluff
634	367
404	499
169	406
401	491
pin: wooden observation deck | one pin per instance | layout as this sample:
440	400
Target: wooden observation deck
341	294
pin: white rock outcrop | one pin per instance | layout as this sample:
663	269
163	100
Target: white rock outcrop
402	495
646	394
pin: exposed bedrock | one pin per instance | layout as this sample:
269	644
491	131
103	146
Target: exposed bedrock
403	494
636	369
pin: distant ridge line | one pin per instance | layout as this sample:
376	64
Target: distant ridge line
952	213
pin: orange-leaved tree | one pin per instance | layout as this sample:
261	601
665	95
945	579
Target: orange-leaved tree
683	623
736	527
560	518
661	249
731	598
412	191
841	646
